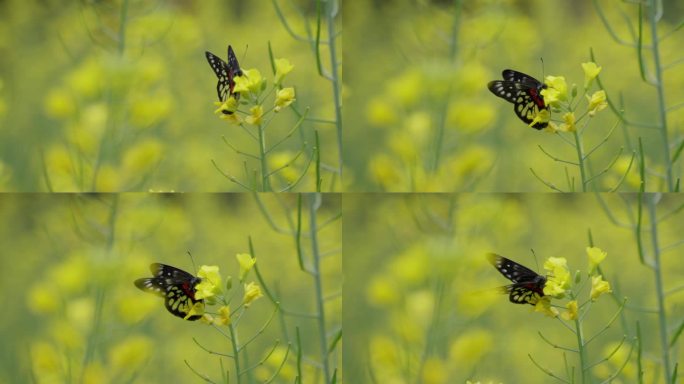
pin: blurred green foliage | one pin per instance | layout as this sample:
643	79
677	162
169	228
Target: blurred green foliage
118	96
424	298
421	119
70	263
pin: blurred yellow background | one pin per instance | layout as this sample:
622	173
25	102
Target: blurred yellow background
74	315
118	96
420	118
422	301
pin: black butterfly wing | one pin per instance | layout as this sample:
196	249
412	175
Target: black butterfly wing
519	77
233	65
176	286
524	92
179	302
513	271
523	295
225	81
527	287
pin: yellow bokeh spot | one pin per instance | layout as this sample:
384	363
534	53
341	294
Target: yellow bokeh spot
146	112
468	348
142	157
385	171
60	104
67	335
421	305
434	371
95	373
69	276
470	116
80	312
47	362
131	353
406	88
87	79
382	291
109	179
282	161
43	299
380	112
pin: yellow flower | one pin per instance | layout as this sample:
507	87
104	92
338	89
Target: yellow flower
596	256
591	70
210	284
599	287
597	102
544	306
568	123
283	67
559	279
250	81
571	313
284	97
252	292
246	263
542	116
227	107
556	91
196	309
256	113
223	316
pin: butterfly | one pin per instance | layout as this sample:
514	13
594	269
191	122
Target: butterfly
527	287
226	73
524	92
176	286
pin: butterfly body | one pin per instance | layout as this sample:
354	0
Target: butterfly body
527	287
524	92
226	73
176	286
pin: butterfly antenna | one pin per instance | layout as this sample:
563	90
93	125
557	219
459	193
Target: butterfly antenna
543	70
535	255
244	53
192	259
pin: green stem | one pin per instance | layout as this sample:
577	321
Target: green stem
652	201
580	348
335	75
108	136
580	159
236	351
93	338
265	180
661	94
314	203
441	124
